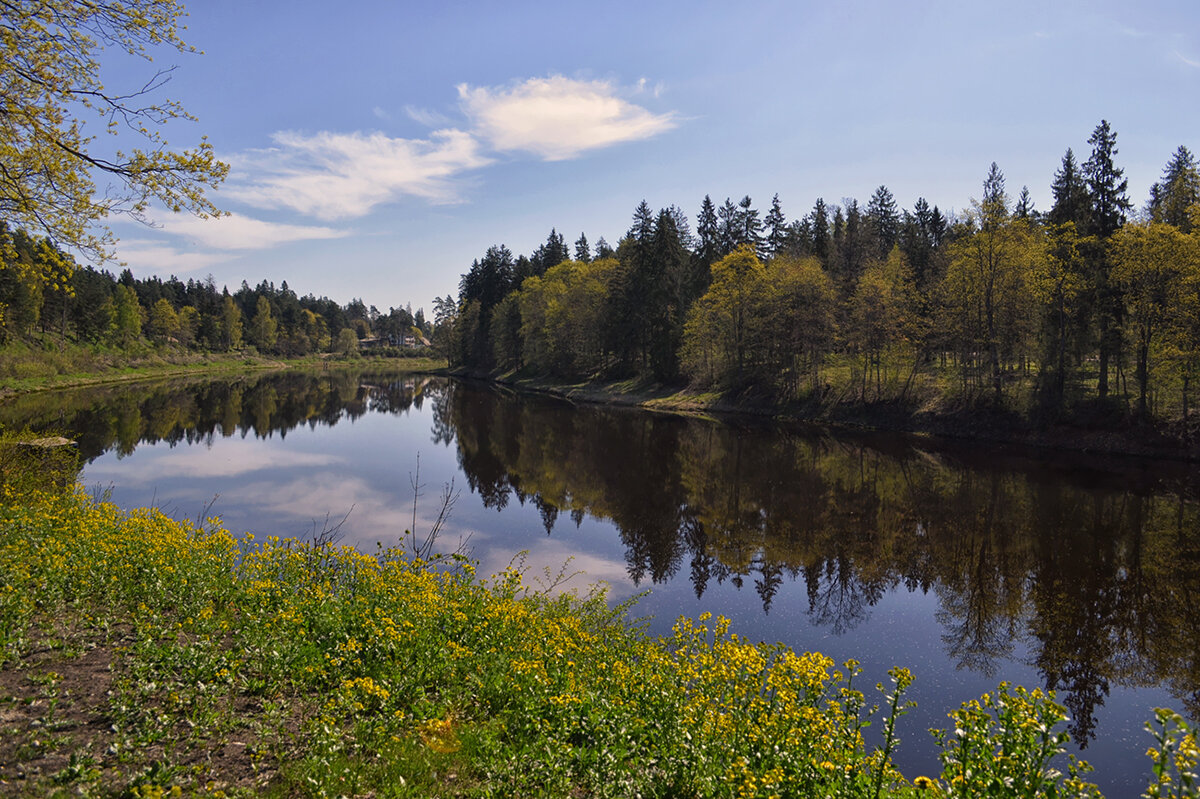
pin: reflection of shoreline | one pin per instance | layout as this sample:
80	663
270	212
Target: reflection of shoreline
1101	584
1089	576
196	410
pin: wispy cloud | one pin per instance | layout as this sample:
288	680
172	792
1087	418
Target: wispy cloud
146	257
334	176
430	119
239	232
558	118
345	175
233	457
1191	62
380	113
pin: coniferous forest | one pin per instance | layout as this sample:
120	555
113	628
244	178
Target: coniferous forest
1088	309
43	292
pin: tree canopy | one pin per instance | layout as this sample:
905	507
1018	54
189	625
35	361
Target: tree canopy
56	176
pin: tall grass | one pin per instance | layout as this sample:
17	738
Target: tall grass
340	673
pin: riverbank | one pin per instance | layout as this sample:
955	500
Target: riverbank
1097	430
144	657
23	375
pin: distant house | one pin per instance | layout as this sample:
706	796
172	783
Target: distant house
407	340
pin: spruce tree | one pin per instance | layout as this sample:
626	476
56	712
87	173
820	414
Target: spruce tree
1108	203
708	231
729	228
1173	196
750	226
582	252
818	225
1024	208
776	228
1070	195
884	220
1106	184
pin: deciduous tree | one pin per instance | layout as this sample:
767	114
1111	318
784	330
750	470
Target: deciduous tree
56	176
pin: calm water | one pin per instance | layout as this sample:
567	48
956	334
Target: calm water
966	564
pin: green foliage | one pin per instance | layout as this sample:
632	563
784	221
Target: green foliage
722	342
1174	758
346	344
1010	743
1157	267
264	329
126	317
563	315
51	74
362	674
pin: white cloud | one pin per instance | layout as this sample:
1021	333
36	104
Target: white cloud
380	113
426	117
1191	62
238	232
345	175
558	118
151	257
230	458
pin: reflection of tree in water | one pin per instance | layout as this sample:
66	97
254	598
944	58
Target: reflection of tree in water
548	512
841	601
1011	555
703	563
122	417
1103	585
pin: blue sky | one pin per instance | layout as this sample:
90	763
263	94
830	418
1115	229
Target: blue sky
377	148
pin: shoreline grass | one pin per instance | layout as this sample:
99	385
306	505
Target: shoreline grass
26	369
141	656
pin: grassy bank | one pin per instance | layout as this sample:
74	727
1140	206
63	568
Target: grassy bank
31	366
141	656
1101	429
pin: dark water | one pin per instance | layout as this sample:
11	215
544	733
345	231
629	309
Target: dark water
967	564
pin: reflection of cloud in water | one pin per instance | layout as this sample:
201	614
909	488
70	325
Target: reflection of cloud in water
376	515
550	557
225	459
327	496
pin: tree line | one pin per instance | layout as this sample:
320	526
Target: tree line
1088	303
43	291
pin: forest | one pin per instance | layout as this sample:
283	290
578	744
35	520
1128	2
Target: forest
43	292
1090	308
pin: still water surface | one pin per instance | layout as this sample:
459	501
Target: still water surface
967	564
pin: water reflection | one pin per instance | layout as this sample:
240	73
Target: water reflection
1089	572
1100	586
119	417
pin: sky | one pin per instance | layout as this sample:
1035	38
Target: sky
377	147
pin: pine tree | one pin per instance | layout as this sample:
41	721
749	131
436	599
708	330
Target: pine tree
669	261
1106	184
1173	196
1024	208
750	226
583	253
729	228
707	230
818	225
1108	202
1070	195
776	228
884	220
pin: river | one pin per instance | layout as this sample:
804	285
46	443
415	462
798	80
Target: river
968	564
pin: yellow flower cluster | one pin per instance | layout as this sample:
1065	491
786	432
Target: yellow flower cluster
550	695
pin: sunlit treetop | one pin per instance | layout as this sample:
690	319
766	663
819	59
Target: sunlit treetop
56	177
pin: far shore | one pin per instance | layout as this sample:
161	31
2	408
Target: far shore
975	424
